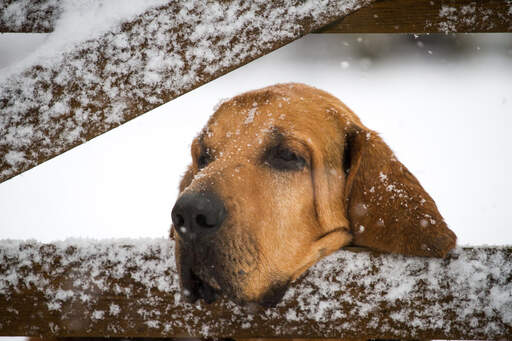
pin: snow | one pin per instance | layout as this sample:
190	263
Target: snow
469	16
250	115
452	17
14	157
388	293
383	177
468	276
73	21
41	16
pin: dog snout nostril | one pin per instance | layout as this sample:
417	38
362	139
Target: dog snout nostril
198	212
179	221
202	221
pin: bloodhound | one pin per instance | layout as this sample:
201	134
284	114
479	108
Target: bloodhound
286	175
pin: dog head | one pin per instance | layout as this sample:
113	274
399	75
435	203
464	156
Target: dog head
282	177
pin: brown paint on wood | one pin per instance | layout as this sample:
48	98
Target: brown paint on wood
427	16
130	289
384	16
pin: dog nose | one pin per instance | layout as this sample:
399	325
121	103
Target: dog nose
198	213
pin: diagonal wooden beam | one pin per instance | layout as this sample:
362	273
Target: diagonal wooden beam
29	16
427	16
99	84
128	288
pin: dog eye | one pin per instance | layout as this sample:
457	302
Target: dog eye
282	158
204	159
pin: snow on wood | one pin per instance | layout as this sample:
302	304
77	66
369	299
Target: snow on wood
456	16
384	16
427	16
130	288
69	97
29	15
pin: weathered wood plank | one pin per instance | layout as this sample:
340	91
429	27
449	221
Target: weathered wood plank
25	16
384	16
130	288
427	16
165	52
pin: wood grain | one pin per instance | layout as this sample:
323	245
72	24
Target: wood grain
130	289
427	16
384	16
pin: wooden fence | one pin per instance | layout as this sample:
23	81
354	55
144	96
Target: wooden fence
130	288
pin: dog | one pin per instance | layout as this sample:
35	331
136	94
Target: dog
282	177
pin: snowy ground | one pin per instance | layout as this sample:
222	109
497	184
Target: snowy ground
446	117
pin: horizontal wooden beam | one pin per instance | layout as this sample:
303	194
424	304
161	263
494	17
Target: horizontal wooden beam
128	288
72	97
427	16
384	16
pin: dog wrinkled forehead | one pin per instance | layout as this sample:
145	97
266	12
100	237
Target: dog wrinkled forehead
292	109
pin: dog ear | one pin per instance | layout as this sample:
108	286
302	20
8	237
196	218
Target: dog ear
387	208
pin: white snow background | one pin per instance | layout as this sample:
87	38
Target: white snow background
447	119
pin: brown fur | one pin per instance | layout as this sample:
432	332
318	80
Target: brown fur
280	223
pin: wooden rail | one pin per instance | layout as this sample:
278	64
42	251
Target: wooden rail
384	16
37	16
129	288
427	16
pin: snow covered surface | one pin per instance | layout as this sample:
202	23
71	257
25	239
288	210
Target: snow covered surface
74	21
28	15
112	283
40	16
461	18
73	89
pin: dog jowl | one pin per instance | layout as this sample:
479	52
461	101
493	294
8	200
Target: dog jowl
281	177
